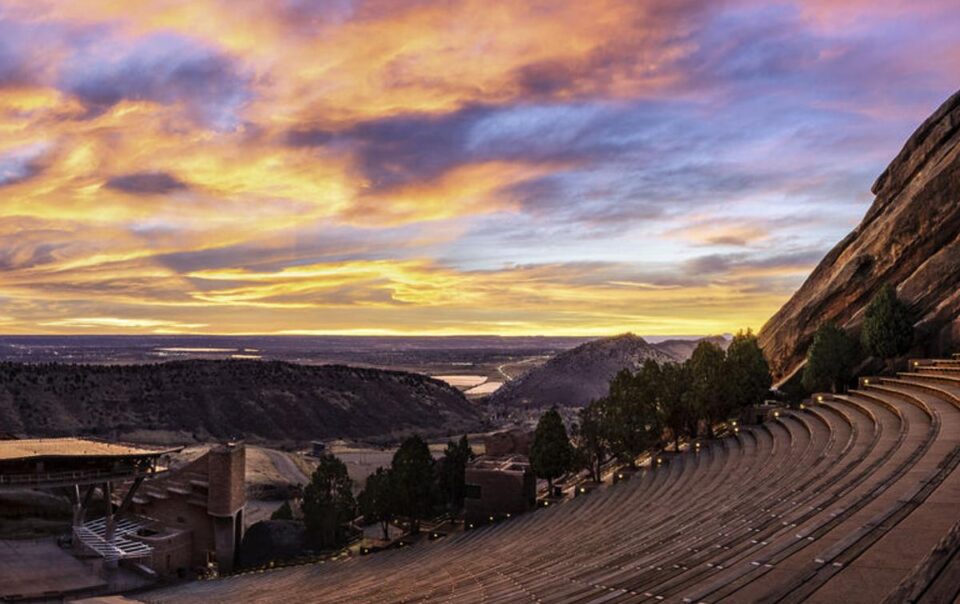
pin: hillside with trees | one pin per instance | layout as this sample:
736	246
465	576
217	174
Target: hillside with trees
206	400
575	377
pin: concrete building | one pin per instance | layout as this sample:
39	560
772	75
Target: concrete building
157	522
497	487
199	508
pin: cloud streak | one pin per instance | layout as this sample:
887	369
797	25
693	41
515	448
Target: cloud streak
443	167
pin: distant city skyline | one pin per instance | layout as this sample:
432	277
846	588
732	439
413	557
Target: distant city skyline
409	167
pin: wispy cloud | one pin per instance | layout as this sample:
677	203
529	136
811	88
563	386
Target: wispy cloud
377	166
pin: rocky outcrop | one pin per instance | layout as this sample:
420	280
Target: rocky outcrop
908	238
577	376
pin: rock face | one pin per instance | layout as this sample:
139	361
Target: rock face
208	400
579	375
908	238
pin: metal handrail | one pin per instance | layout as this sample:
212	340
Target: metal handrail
83	475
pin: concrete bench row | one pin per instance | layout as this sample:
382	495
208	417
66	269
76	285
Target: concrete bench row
798	509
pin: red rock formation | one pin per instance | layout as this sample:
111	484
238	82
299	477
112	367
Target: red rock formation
908	238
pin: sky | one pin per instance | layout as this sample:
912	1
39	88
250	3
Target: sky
581	167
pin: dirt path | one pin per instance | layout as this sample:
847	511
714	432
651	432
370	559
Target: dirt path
289	470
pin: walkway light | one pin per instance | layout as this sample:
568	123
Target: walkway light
820	398
866	381
583	490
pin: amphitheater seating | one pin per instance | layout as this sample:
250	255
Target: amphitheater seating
853	499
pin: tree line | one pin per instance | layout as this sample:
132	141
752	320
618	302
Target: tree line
414	487
660	402
885	334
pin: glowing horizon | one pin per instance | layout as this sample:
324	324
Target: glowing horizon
365	167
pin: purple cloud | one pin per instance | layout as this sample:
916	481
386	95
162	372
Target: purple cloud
163	69
148	183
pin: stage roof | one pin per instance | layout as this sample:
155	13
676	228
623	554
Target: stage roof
72	447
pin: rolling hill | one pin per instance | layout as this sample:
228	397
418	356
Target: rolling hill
577	376
206	400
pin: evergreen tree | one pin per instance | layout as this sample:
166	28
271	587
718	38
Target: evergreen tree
283	512
593	437
632	411
748	373
414	482
551	454
328	504
378	500
830	359
675	401
887	326
453	468
709	387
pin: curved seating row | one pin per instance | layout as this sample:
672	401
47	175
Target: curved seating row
839	501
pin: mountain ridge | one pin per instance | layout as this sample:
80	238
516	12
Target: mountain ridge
577	376
208	400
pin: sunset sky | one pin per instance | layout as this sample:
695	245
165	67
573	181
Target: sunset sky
452	167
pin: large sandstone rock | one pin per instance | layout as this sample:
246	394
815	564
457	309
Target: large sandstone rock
908	238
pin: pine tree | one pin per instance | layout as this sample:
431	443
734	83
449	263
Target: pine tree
887	326
551	455
675	406
328	503
709	388
632	408
593	437
830	359
453	468
283	512
748	374
414	482
377	501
